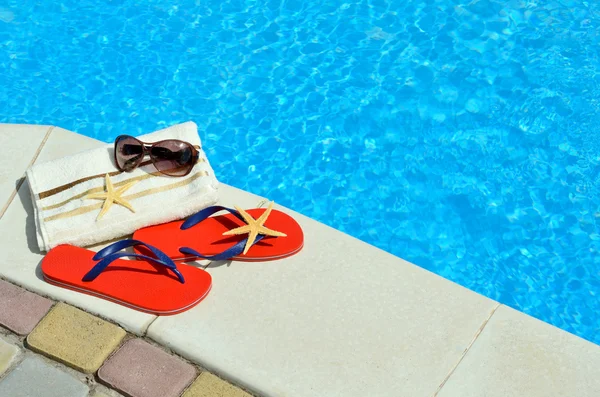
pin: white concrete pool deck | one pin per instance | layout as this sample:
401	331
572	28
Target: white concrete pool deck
341	318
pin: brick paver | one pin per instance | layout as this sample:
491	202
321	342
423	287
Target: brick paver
140	369
8	352
84	342
209	385
36	378
75	338
21	310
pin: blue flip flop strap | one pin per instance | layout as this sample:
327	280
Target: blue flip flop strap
121	245
207	212
110	254
227	254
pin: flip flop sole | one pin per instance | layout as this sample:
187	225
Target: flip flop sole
207	237
136	284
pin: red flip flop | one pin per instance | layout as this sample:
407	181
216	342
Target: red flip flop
153	284
254	235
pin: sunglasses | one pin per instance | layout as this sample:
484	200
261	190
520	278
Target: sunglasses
170	157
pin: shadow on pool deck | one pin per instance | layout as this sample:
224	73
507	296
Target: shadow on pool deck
24	195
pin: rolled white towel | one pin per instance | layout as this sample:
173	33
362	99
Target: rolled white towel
63	192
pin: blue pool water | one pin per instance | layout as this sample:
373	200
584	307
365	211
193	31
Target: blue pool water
463	137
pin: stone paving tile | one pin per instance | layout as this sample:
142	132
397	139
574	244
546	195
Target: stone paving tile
209	385
8	353
63	143
76	338
140	369
19	143
518	355
103	391
36	378
21	310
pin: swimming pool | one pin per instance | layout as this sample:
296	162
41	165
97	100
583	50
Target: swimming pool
462	137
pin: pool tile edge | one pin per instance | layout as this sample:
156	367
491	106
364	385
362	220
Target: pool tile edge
40	131
519	355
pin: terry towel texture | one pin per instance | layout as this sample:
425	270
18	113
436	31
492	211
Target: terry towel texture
64	214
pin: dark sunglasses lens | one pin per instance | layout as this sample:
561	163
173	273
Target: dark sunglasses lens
129	153
173	158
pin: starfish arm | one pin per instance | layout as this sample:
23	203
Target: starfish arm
109	186
125	187
236	231
251	238
124	203
270	232
105	208
265	214
249	220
